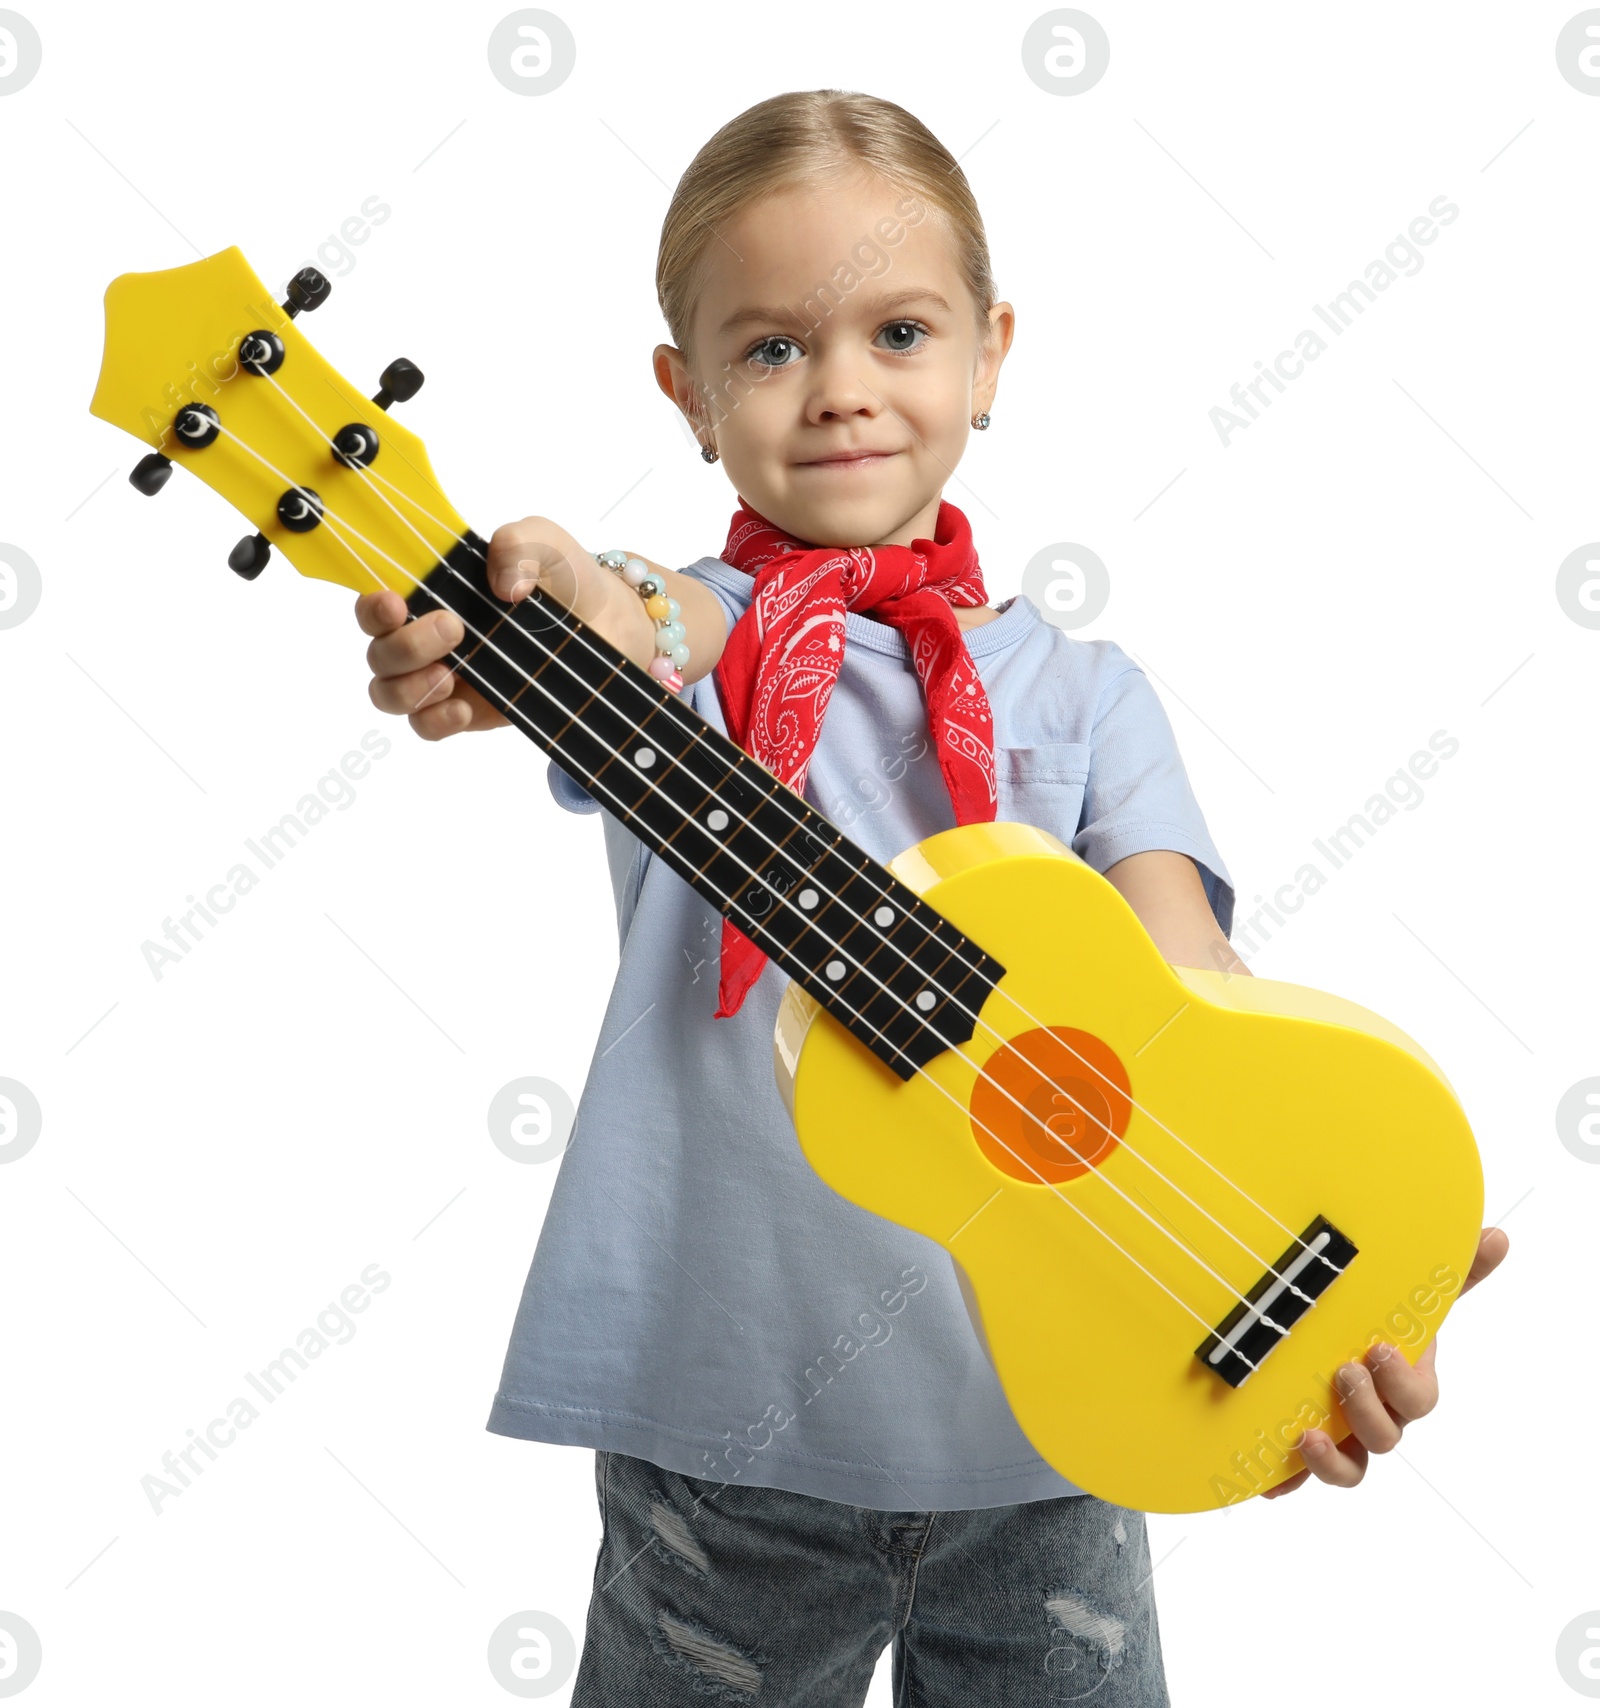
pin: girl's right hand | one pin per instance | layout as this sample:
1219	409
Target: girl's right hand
408	675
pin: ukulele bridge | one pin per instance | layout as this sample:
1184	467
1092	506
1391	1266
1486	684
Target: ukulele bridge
1267	1313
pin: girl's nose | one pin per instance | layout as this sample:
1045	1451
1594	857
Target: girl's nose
841	385
841	393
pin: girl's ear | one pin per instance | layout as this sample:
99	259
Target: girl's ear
675	380
1002	327
672	374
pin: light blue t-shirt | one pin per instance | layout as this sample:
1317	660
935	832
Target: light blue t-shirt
699	1297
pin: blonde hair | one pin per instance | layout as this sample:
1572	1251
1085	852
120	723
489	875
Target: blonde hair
798	137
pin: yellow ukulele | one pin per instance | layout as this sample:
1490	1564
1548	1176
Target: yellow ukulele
1178	1201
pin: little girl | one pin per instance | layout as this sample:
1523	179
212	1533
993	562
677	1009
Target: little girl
802	1453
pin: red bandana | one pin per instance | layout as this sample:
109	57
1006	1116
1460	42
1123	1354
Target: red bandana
782	659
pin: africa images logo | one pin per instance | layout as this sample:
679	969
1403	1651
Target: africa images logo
1403	258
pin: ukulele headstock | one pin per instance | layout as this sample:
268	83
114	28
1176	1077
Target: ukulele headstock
202	365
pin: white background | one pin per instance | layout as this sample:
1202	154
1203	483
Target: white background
226	1148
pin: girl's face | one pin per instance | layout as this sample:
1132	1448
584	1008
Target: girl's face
831	323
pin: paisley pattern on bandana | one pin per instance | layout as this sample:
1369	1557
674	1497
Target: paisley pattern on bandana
778	669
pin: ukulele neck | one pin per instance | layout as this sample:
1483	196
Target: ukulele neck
892	970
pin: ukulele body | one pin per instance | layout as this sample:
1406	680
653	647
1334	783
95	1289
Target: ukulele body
1248	1108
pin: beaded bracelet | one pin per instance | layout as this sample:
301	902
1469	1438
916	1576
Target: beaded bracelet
672	653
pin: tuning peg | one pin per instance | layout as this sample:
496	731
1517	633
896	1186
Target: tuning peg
249	557
398	383
150	474
261	352
308	290
300	510
355	446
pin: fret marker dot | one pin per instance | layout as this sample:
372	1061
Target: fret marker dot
808	899
836	970
884	916
717	819
645	758
926	1000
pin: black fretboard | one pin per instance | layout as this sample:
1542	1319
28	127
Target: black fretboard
890	968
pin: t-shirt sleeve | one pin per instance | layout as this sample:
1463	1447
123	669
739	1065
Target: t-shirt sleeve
568	791
1138	795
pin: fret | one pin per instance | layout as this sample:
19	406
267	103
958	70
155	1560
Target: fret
684	794
577	713
890	968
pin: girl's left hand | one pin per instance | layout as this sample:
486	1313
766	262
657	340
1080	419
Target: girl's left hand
1379	1398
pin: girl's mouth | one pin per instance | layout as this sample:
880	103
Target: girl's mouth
866	459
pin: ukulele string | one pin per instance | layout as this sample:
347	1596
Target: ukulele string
697	736
595	783
978	1070
780	850
695	733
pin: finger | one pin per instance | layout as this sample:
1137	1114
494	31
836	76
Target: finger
381	611
536	553
1288	1485
540	565
413	691
1342	1467
514	579
1492	1248
523	553
1364	1410
416	644
448	717
1408	1390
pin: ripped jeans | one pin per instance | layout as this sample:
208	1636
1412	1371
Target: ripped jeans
708	1592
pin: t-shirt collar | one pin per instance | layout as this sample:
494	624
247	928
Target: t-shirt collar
1017	616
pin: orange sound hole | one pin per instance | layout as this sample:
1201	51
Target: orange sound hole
1051	1104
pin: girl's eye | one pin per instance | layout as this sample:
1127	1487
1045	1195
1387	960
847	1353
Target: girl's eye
776	342
899	326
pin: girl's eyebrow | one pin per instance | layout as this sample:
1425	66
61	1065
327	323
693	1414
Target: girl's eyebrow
880	305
